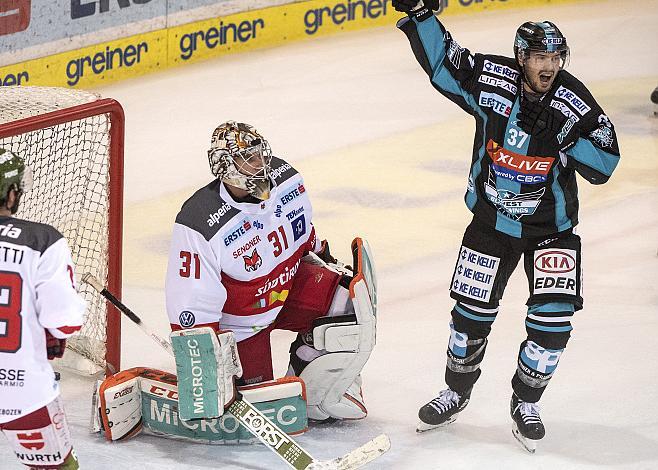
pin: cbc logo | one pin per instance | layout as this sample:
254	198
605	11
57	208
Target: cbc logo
14	16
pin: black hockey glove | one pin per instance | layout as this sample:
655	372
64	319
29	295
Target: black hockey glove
55	347
324	254
548	124
419	9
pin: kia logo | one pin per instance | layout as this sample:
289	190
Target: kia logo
555	262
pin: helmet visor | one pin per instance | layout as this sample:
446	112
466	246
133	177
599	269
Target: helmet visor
253	161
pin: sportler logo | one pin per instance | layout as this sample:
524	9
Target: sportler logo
520	168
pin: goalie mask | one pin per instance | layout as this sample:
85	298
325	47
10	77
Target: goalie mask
240	156
14	174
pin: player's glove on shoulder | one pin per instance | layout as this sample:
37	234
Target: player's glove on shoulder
548	124
419	9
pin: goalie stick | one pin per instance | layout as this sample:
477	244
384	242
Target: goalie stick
257	423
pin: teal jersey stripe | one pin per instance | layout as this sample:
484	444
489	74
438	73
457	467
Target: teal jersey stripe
562	221
551	307
552	329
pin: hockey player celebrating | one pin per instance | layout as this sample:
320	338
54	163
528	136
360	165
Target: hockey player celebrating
39	309
536	127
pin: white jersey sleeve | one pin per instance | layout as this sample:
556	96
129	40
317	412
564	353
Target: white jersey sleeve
58	305
193	289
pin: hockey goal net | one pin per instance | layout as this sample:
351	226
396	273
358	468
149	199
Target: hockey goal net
73	142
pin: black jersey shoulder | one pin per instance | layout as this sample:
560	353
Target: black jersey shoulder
281	171
34	235
206	212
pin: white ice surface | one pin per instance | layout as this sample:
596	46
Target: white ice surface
385	157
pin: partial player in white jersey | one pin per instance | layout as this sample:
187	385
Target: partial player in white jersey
39	309
244	257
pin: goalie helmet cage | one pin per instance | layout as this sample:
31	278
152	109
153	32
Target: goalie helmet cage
73	141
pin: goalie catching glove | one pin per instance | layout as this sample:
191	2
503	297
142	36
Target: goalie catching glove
207	364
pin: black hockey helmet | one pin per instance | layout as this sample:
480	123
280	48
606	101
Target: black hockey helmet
541	36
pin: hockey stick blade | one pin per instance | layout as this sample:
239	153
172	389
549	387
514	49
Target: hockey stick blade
356	458
250	417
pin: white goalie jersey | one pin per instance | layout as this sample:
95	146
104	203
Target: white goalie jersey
232	264
37	292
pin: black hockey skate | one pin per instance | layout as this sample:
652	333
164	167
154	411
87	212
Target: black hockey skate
443	410
529	428
654	100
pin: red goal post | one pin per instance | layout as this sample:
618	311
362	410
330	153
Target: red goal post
74	142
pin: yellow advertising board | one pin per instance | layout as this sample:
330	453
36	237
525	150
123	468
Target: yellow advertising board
144	53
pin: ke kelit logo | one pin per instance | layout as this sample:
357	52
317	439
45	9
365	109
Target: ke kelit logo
186	319
573	99
551	41
253	261
31	440
273	297
520	168
500	70
474	274
14	16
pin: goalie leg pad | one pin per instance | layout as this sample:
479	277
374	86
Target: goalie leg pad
119	408
207	364
282	400
330	358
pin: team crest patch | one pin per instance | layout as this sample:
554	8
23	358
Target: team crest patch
253	261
